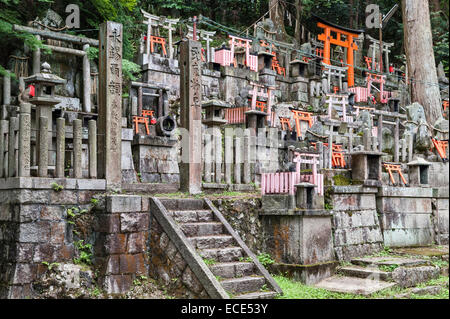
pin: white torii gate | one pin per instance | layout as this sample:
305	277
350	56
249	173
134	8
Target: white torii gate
204	35
154	21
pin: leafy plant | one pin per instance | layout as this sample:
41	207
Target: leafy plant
85	253
209	262
50	266
265	259
56	187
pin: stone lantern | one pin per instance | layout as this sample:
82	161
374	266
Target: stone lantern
44	98
418	171
298	68
215	111
265	60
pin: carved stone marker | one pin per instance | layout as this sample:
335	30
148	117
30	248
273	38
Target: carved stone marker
191	116
110	104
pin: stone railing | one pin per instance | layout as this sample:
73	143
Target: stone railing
41	152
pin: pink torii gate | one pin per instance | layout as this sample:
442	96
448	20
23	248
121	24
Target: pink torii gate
226	57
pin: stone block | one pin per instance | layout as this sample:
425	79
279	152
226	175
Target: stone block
64	197
24	252
57	232
191	282
127	264
115	243
123	204
34	232
45	252
410	277
168	167
170	178
117	284
107	223
52	213
136	242
134	222
23	274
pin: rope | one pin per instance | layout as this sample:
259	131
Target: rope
50	28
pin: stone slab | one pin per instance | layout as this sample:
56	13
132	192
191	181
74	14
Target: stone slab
353	285
123	204
389	261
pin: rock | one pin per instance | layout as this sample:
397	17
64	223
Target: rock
412	276
366	121
441	124
388	140
317	129
415	112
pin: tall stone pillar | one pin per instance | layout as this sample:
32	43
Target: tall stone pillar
191	116
110	104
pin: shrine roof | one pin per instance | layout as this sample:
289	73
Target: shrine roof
335	25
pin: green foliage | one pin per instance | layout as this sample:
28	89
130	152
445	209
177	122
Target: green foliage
56	187
388	268
209	262
84	251
130	70
440	39
50	266
265	259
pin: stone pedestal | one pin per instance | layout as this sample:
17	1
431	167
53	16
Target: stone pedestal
301	243
298	68
155	159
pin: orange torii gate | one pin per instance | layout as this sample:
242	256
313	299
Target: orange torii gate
344	38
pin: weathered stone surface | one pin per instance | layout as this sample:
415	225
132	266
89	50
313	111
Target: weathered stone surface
123	204
133	222
411	276
116	284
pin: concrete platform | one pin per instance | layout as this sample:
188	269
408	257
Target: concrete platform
353	285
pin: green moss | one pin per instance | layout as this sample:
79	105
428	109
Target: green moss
341	180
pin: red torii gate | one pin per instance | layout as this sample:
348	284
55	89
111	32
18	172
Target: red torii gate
348	43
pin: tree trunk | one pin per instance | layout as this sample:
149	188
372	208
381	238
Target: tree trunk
298	26
420	58
352	9
276	14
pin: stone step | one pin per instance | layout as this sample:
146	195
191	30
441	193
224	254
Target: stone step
365	272
208	242
233	269
243	285
202	229
353	285
229	254
389	261
192	216
183	203
257	295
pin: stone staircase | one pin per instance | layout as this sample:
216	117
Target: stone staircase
368	275
235	268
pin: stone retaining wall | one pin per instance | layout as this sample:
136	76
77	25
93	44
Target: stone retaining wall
243	215
406	216
34	228
355	223
440	214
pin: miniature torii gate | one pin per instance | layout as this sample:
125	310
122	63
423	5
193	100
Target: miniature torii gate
374	46
258	90
204	35
347	42
156	21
